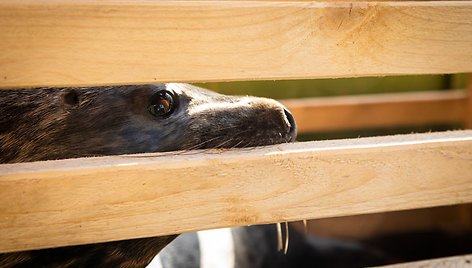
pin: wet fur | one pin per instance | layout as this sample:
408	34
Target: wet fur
56	123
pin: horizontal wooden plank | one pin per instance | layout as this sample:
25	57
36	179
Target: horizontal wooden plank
66	202
379	111
90	42
449	262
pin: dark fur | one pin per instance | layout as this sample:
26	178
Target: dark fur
56	123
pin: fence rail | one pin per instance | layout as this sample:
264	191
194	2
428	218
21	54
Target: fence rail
89	42
67	202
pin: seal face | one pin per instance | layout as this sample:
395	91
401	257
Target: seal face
56	123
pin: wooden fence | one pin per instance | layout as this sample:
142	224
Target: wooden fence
88	42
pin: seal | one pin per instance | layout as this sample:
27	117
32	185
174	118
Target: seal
56	123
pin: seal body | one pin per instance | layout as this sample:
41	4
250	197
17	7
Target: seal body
56	123
257	247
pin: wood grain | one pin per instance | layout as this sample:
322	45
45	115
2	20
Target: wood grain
91	42
379	111
66	202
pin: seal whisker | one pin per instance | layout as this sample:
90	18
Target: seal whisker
237	144
286	238
197	146
279	236
231	138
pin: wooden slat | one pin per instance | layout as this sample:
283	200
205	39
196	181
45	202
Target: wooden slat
464	261
76	201
90	42
378	111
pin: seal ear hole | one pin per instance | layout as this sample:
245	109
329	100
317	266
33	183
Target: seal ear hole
71	97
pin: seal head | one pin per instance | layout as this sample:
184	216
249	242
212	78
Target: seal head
56	123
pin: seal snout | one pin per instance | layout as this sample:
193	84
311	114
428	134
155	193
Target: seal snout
292	133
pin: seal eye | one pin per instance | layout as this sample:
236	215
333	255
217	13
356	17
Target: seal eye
162	104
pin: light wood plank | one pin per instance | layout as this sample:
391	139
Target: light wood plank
379	111
91	42
66	202
464	261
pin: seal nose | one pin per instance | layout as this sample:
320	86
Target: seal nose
292	134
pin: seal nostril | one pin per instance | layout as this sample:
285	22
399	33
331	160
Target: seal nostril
292	134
